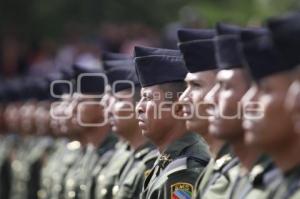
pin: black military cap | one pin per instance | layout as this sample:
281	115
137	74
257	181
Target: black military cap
14	89
35	88
228	47
89	79
108	56
110	60
153	69
262	57
141	51
197	48
119	77
186	35
285	31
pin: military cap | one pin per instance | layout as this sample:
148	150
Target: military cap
108	56
14	89
109	59
59	84
262	58
36	88
89	79
141	51
187	34
154	68
197	48
285	31
228	47
122	71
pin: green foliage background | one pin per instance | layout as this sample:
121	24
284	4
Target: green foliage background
37	18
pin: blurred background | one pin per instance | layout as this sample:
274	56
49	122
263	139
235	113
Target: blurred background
41	36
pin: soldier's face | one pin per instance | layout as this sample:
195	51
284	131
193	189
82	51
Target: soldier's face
272	129
292	102
42	118
225	121
107	102
27	118
152	120
12	117
90	112
194	106
124	120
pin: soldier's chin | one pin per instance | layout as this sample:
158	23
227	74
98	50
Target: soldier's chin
191	126
250	139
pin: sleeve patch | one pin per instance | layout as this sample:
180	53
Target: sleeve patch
181	191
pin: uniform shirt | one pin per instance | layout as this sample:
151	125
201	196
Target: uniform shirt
289	188
75	180
7	144
131	180
26	158
65	154
256	183
104	153
218	177
176	170
108	176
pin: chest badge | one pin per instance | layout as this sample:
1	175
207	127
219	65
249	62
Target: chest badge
181	191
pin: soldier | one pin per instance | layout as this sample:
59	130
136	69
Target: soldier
88	124
197	47
124	122
273	131
183	154
226	121
64	152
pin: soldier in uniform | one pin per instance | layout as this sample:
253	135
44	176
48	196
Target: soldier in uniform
273	131
183	154
89	124
124	122
197	47
226	123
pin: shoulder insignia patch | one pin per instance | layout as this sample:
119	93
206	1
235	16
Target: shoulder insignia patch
181	190
222	161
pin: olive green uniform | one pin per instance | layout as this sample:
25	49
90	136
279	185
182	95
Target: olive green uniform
108	176
59	162
130	183
176	170
26	166
6	147
78	181
257	182
289	188
218	177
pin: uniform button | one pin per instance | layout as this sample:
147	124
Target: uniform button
103	192
115	190
71	194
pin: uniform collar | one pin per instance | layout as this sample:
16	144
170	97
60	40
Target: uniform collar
178	147
143	150
108	143
263	165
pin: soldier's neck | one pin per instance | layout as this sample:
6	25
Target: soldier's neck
287	157
94	136
245	154
215	146
137	139
173	134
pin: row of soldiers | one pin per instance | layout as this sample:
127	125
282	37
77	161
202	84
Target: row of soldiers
218	118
